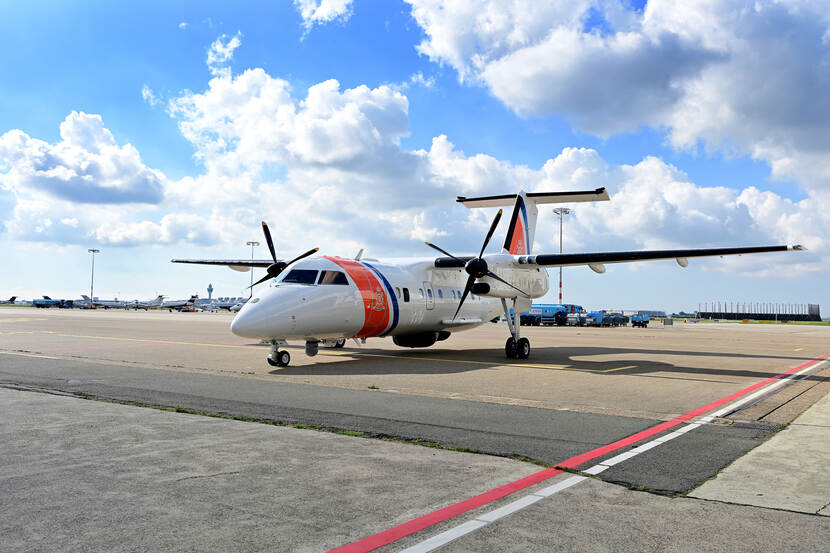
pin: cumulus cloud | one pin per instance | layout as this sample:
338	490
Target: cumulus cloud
86	166
318	12
746	79
149	96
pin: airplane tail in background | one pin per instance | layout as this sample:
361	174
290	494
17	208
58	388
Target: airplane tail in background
11	299
522	229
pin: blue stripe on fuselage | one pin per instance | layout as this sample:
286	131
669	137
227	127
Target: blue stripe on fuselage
391	295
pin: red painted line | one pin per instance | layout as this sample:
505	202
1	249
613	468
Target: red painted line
375	541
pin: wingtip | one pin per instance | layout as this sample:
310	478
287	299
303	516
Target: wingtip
798	248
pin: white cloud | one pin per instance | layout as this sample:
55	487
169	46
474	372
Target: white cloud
746	79
183	25
86	166
220	54
149	96
317	12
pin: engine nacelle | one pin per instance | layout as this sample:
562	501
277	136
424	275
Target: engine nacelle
418	340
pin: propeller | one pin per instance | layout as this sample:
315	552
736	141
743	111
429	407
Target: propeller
275	268
477	267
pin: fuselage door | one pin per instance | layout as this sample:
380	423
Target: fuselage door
428	295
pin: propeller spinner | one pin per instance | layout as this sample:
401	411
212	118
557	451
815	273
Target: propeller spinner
477	267
275	268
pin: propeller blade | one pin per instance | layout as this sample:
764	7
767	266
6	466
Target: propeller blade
490	234
270	242
497	277
448	254
260	281
470	281
299	257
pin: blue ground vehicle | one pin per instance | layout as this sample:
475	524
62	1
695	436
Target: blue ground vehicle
640	319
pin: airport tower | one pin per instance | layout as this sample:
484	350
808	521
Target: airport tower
210	291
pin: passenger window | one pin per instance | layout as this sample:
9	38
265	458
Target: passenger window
301	276
429	292
440	293
332	277
406	295
453	294
421	293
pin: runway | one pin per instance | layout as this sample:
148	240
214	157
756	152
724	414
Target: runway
583	389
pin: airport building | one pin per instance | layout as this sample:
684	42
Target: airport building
759	311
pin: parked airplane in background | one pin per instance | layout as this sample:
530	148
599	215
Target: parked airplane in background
420	301
49	302
9	301
145	305
180	305
106	304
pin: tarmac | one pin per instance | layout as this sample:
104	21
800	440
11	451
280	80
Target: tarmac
79	475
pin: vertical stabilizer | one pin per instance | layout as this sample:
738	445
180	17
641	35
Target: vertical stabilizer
519	239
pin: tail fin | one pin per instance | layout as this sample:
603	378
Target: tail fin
85	297
522	229
11	299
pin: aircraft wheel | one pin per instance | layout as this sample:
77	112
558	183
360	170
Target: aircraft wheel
523	348
340	343
510	349
283	358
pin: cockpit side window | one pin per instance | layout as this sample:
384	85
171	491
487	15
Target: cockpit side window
332	277
301	276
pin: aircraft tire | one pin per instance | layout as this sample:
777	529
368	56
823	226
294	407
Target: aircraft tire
283	358
510	349
272	362
523	348
340	343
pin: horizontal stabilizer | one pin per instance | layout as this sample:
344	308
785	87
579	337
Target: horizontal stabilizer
598	195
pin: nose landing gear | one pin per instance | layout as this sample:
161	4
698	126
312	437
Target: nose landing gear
278	357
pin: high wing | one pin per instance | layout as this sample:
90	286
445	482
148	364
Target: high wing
596	260
241	265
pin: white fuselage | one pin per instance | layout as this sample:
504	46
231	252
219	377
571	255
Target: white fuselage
329	298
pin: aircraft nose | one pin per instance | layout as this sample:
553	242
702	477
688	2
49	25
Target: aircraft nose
245	324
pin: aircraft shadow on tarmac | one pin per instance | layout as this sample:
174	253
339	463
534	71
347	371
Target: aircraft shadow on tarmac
377	361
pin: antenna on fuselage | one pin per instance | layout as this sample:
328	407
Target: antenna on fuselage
359	255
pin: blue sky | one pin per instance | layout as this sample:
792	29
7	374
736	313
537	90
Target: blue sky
706	131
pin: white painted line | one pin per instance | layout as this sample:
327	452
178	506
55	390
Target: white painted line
29	355
667	437
621	457
646	446
445	537
510	508
765	390
563	485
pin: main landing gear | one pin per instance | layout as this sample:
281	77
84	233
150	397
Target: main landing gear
515	347
278	357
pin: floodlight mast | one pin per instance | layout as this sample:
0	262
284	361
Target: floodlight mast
93	251
561	211
252	243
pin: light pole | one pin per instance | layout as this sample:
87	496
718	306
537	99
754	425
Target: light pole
561	211
93	251
252	243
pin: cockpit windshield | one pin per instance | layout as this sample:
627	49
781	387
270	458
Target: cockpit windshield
300	276
332	277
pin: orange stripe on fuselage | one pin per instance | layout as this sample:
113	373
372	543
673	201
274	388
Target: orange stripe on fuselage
375	302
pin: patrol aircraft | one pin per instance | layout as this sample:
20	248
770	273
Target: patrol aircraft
420	301
9	301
